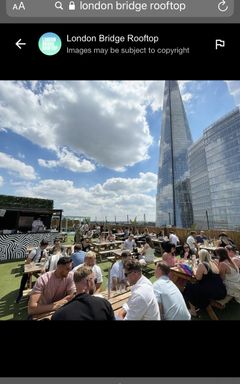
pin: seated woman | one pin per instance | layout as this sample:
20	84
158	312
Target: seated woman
224	240
169	256
209	286
229	272
148	252
186	253
111	236
86	246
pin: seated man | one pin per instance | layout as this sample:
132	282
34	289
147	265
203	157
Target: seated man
200	238
52	289
84	306
57	248
171	302
39	253
54	255
142	304
36	255
173	238
129	243
90	261
191	241
117	276
78	255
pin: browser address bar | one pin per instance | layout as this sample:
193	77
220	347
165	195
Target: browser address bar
120	8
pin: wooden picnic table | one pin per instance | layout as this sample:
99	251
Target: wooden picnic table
178	275
106	244
116	299
105	247
209	248
117	252
31	269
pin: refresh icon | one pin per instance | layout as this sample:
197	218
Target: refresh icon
222	6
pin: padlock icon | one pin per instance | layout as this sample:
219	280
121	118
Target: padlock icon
71	6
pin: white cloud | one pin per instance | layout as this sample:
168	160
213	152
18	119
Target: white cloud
69	161
234	90
115	197
21	155
104	121
187	96
145	183
13	165
1	181
100	120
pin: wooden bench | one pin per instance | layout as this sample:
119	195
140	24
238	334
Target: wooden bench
104	253
221	304
148	266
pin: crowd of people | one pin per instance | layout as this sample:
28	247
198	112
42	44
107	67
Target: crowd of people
70	286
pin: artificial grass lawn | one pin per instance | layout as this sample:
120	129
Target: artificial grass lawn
10	277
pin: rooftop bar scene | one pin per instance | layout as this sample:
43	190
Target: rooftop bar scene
119	200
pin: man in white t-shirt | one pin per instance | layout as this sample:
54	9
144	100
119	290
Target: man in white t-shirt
90	261
191	241
173	238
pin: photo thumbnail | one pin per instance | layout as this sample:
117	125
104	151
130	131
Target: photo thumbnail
119	200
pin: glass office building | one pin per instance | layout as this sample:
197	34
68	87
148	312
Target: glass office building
200	188
214	163
173	200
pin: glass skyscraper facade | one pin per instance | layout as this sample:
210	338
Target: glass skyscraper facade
214	163
173	200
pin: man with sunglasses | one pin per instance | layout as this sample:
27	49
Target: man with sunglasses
85	306
142	304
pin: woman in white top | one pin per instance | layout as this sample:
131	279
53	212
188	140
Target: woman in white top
148	252
229	272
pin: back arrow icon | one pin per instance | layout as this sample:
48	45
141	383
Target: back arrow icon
18	44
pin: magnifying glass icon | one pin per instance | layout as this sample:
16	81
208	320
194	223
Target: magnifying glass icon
59	5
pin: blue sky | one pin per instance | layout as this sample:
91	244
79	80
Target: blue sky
93	146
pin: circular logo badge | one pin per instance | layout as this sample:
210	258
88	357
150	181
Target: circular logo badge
49	44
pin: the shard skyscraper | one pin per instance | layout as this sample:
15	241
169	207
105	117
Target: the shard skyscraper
173	201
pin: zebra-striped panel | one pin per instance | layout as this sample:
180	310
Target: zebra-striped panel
15	246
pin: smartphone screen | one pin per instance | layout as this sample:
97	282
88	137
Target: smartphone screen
99	144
